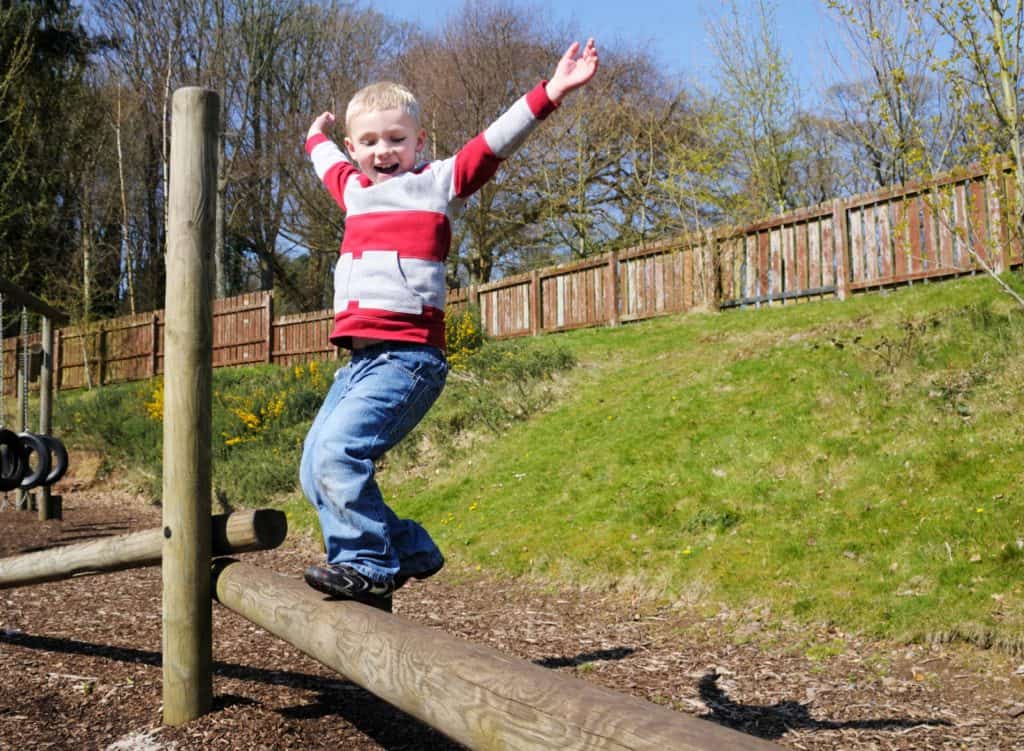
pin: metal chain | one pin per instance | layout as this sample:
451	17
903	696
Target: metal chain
3	356
3	394
24	368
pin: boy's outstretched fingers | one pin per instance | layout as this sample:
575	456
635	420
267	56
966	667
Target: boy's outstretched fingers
574	69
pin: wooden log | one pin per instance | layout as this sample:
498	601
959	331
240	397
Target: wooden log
188	345
240	532
473	694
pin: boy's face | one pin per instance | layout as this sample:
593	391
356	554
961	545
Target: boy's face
384	143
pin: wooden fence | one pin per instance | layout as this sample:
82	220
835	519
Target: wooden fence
943	228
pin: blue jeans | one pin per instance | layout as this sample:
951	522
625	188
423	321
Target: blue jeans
374	402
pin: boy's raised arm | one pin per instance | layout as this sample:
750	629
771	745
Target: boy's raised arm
572	71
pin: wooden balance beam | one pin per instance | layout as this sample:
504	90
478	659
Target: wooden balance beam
473	694
240	532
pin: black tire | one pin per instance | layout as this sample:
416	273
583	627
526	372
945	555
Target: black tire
12	460
32	443
58	459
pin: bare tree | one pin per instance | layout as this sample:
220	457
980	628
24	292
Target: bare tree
984	70
892	113
761	98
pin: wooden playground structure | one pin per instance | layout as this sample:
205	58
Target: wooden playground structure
473	694
48	505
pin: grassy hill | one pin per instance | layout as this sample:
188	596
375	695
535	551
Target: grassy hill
858	463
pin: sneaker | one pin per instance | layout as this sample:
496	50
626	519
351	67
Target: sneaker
402	579
339	580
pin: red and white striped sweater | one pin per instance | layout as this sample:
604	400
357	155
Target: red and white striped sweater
389	282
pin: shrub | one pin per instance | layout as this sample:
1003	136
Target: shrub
464	336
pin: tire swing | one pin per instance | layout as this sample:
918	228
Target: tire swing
58	459
12	456
36	473
12	461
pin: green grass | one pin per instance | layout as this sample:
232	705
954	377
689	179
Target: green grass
858	463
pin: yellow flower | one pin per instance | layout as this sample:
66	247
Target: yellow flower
155	406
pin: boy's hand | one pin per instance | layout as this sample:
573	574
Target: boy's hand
572	72
323	124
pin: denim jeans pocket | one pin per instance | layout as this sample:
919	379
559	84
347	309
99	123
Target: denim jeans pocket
419	363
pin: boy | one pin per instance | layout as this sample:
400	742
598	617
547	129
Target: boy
389	297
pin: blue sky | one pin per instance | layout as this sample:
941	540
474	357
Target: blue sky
674	30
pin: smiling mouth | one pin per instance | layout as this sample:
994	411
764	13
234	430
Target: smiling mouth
388	170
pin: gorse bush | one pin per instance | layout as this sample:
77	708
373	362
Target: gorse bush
464	336
257	414
259	418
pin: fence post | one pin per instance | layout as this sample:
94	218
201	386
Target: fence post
1000	251
101	352
712	272
268	320
611	294
536	300
188	343
839	235
154	344
58	357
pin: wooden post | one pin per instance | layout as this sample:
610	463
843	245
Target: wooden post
536	301
188	344
712	272
231	534
612	289
58	355
46	505
839	235
997	236
268	320
154	344
475	695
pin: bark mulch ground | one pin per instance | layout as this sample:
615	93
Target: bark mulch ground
80	662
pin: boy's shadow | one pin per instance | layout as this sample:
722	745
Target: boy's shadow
773	721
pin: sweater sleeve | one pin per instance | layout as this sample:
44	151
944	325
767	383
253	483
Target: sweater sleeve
479	159
331	165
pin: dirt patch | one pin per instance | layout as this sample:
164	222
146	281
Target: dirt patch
81	662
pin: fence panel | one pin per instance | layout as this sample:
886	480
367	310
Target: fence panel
302	337
242	329
575	296
9	353
664	279
79	358
1009	201
127	348
505	307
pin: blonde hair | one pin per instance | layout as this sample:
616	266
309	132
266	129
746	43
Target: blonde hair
384	95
